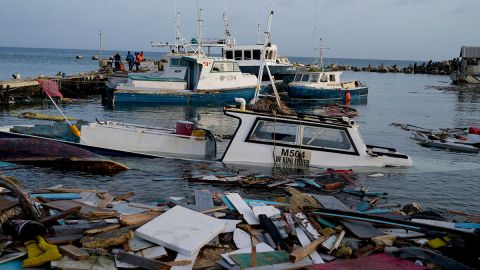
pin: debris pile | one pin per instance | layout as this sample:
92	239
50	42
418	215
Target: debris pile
68	228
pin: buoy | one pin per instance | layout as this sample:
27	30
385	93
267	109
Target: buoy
347	97
75	130
79	57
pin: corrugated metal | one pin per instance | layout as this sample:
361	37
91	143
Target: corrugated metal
470	52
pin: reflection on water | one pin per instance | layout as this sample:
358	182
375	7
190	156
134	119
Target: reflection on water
438	179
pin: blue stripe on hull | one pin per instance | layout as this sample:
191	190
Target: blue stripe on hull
225	96
313	93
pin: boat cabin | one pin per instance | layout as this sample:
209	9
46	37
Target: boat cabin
192	72
303	141
318	77
249	52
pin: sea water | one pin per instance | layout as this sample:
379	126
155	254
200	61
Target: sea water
438	179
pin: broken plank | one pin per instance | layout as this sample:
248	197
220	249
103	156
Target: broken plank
304	241
243	208
54	218
263	258
74	252
138	219
182	257
87	211
103	229
303	252
65	239
141	262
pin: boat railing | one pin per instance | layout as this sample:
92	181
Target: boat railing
146	129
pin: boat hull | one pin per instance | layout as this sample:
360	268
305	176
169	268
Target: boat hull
303	92
186	97
47	153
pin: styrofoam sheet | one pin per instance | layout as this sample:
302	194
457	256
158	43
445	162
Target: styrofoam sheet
181	229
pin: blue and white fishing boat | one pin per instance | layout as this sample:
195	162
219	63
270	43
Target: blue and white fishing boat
188	78
316	83
188	75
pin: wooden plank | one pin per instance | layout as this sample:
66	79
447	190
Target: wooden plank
65	239
181	257
138	219
106	199
108	239
362	230
54	218
243	208
303	252
76	228
304	241
101	230
87	211
140	261
263	258
56	196
182	230
74	252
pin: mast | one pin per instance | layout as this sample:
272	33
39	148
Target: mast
200	29
101	47
264	62
321	53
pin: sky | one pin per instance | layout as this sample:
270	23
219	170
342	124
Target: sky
362	29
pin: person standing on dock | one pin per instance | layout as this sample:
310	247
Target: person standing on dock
118	60
130	60
137	60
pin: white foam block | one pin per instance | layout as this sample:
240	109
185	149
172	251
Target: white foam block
181	229
243	208
267	210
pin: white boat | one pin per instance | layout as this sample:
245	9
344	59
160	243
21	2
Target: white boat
447	144
303	141
120	139
249	60
467	70
188	78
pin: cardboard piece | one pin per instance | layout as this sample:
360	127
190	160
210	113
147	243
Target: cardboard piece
182	230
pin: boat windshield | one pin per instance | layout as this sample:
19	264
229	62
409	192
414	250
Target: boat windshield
323	137
298	76
270	131
225	67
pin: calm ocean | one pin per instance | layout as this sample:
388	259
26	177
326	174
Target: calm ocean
439	179
32	62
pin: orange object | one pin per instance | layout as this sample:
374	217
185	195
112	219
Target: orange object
333	186
348	97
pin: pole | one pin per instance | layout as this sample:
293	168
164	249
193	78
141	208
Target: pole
101	49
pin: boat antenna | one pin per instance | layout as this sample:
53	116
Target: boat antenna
258	29
315	33
200	29
321	53
264	62
226	32
177	28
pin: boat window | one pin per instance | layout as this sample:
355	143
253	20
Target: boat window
257	54
314	78
324	78
229	54
270	131
332	77
330	138
177	62
247	55
305	77
238	55
225	67
298	77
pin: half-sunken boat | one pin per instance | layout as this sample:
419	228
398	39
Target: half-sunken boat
121	139
301	140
